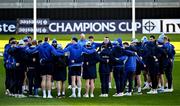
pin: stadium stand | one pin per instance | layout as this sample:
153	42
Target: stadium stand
88	3
56	1
92	9
9	1
115	0
88	0
31	1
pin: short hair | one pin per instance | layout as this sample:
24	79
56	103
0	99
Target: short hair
106	37
82	34
34	42
12	38
169	39
166	38
29	37
126	43
46	39
39	41
91	37
152	36
75	39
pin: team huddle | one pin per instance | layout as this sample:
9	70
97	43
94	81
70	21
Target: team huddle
33	65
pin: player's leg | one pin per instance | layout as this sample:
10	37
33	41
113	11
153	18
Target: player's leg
92	88
79	85
117	80
138	78
63	86
49	85
43	85
87	88
58	84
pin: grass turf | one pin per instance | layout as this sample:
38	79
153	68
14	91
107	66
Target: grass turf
160	99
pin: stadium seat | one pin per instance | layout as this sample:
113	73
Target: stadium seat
9	1
115	0
168	0
143	0
88	0
54	1
31	1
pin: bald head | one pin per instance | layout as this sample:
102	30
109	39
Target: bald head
82	36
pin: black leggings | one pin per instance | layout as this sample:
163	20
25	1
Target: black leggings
69	76
154	80
34	81
8	78
118	74
168	73
19	79
104	78
129	78
153	71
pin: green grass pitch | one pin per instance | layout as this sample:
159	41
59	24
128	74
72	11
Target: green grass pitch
163	99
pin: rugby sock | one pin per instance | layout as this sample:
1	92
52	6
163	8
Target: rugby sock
109	84
23	87
73	91
59	93
26	87
79	90
159	85
63	93
139	89
44	92
49	92
162	87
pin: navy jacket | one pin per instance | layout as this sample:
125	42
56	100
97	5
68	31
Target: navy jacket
45	52
105	53
59	61
33	58
120	56
170	50
92	59
20	56
152	57
170	53
6	54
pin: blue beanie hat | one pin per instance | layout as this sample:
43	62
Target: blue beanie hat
120	41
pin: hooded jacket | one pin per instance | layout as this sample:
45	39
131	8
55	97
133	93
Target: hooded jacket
75	51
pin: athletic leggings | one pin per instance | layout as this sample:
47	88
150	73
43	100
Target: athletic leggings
104	78
10	80
168	73
153	71
118	73
33	79
19	79
129	78
154	80
8	77
69	76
